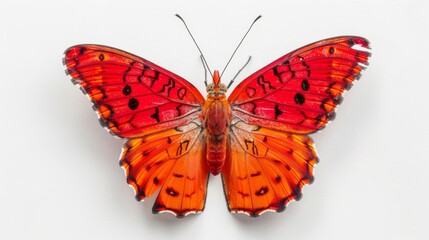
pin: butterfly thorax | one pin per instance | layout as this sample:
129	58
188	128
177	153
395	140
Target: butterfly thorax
216	118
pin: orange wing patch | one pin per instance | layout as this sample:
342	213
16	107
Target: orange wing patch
266	169
170	160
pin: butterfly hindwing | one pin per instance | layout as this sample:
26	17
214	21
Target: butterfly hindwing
132	96
172	161
300	91
266	168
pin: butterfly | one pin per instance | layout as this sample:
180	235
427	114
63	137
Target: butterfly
256	138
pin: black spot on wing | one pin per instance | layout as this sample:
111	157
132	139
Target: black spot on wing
299	99
126	90
172	192
156	115
305	85
262	191
277	111
133	104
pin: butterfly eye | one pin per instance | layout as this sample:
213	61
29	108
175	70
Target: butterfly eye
210	88
223	88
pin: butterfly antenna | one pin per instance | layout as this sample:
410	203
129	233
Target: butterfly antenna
239	71
205	70
248	30
193	39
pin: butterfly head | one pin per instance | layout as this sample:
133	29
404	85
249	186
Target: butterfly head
216	87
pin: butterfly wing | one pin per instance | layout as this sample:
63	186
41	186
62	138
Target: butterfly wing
267	168
132	96
158	112
271	158
299	91
173	161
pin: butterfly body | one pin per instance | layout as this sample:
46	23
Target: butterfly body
216	117
256	137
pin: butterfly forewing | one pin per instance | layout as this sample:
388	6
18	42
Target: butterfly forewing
299	91
132	96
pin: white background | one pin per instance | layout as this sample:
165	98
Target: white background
59	173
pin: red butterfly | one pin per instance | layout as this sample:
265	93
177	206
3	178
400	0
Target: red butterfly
257	138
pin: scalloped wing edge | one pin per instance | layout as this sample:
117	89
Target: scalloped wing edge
285	203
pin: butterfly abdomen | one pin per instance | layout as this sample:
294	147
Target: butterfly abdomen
217	119
216	152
